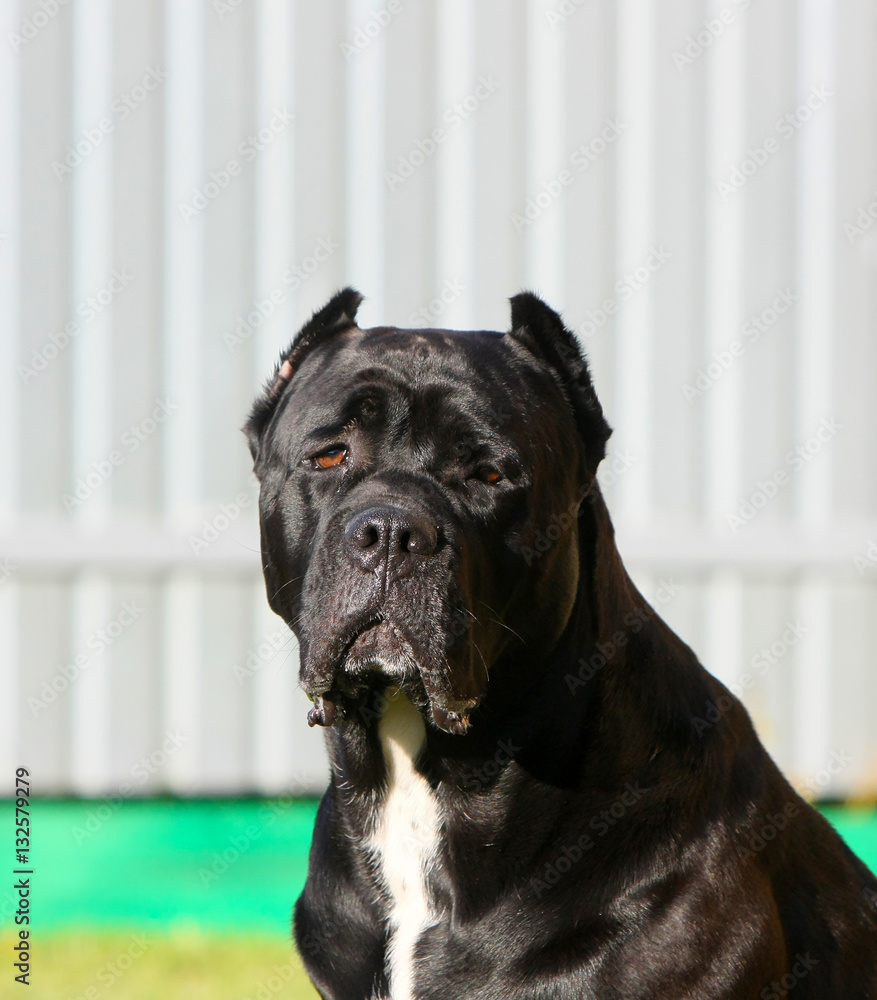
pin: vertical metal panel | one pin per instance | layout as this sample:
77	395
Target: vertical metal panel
184	178
91	190
274	191
10	152
91	185
44	266
273	681
319	167
364	185
500	186
90	697
725	76
682	110
182	693
723	596
455	162
10	705
854	354
545	115
817	227
184	170
634	221
817	232
590	248
45	733
226	729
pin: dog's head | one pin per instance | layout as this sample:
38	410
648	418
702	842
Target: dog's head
419	493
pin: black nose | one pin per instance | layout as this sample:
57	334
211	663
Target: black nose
389	535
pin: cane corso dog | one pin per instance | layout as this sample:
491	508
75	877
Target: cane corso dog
537	792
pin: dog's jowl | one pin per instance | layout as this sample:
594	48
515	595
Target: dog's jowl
522	803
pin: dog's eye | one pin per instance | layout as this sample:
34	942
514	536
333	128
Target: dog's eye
330	458
487	474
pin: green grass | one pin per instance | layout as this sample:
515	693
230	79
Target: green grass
209	883
186	965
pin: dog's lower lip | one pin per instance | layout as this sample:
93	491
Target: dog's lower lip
322	713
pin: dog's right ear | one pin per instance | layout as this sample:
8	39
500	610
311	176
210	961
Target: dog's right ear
539	328
338	314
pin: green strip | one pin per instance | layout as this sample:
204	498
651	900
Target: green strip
215	866
858	827
228	865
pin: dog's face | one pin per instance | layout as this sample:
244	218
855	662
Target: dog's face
406	477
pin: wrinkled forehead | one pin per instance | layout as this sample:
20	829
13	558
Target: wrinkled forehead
481	373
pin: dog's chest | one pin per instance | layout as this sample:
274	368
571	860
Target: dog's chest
405	841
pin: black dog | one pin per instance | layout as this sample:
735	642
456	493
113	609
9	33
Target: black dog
525	799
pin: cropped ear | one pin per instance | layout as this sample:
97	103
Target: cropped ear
338	314
540	329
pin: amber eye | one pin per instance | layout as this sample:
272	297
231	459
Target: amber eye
329	459
490	475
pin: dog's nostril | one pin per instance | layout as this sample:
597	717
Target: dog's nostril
365	535
419	540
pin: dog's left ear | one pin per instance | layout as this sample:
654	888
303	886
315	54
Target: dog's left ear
338	314
540	329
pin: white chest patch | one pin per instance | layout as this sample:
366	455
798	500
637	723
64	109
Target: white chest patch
405	840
